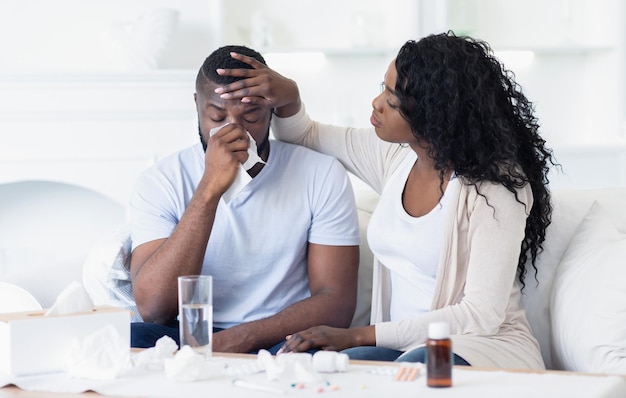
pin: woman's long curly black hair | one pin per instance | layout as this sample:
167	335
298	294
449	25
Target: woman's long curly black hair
467	108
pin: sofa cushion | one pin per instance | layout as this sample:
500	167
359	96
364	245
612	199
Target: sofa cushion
366	200
570	207
14	298
588	302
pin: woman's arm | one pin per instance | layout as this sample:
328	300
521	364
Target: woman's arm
359	150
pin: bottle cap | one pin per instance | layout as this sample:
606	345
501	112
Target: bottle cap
341	362
438	330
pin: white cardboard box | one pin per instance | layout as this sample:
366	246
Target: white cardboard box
31	343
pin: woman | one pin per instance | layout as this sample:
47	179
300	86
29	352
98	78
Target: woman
464	204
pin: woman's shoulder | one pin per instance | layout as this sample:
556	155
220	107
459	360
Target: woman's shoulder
494	191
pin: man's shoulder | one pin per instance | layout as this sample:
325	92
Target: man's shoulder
183	158
183	164
182	155
301	152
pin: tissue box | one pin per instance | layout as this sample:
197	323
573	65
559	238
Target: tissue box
32	343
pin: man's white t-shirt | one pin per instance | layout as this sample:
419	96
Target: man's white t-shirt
257	252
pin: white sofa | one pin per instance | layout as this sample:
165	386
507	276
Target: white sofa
578	308
46	230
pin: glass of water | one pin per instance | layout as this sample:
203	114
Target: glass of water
195	307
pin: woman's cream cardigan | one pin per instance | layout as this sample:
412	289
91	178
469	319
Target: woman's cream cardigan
477	289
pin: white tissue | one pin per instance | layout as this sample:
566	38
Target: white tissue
72	299
290	367
102	355
268	363
187	365
154	357
243	178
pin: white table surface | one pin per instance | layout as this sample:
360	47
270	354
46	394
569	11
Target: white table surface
362	379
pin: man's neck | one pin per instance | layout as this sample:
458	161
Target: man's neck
264	153
263	150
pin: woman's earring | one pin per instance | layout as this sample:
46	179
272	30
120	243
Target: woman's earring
405	145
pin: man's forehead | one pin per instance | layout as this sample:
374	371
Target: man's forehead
212	99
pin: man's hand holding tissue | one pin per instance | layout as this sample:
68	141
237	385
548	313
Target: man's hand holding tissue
161	261
227	150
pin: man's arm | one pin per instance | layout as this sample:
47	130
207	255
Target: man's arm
333	283
156	265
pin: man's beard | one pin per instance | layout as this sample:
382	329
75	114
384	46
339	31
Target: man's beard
204	143
260	148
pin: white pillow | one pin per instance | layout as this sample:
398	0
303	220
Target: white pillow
588	303
106	272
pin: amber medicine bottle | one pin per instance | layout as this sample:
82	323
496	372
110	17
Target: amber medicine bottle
438	355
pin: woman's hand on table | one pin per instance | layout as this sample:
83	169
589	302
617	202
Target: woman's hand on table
329	339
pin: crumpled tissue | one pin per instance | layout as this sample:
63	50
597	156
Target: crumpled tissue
102	355
74	298
187	366
153	358
243	178
290	367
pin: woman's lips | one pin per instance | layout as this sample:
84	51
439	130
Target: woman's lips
375	121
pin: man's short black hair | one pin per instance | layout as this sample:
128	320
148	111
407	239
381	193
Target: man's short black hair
221	59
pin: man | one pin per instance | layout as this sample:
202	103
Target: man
282	250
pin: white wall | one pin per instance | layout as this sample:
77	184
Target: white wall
576	78
93	130
77	106
93	92
40	36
